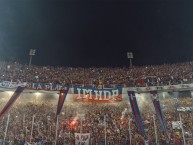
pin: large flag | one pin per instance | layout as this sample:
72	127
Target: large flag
158	110
82	138
62	97
11	101
136	112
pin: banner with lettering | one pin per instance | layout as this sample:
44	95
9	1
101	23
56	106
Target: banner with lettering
57	87
10	84
97	95
46	86
82	138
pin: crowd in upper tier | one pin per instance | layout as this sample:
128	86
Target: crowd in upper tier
137	76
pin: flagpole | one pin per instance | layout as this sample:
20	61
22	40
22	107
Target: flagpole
38	128
32	127
130	131
155	129
63	132
56	130
50	129
105	129
81	116
6	129
182	129
81	124
23	122
64	136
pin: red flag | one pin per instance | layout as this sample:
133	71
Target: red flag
62	97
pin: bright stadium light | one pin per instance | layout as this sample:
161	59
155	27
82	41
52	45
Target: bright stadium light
37	94
9	92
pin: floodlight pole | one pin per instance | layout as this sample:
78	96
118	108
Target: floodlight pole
31	53
30	59
130	57
130	62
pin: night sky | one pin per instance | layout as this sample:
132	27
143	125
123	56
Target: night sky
96	32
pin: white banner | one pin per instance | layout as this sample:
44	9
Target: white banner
180	87
184	109
10	84
176	124
82	138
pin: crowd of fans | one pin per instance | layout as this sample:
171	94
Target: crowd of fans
117	114
137	76
117	120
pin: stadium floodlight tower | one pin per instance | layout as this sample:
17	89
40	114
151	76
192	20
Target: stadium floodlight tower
130	57
31	53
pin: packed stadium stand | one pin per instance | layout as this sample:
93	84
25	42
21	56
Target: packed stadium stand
32	117
137	76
